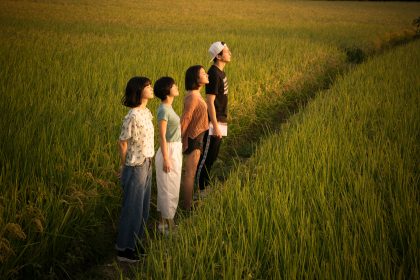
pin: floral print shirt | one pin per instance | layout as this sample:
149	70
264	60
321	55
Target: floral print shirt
138	130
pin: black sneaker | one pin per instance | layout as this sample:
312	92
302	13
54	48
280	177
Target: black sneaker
128	256
141	251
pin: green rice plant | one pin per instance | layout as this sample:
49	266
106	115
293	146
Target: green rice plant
334	194
63	68
416	23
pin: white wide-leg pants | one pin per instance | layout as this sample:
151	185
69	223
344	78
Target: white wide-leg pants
168	184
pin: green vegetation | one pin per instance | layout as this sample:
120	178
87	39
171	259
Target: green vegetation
333	194
63	68
416	22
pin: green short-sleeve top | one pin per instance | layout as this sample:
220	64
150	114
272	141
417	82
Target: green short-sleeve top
173	128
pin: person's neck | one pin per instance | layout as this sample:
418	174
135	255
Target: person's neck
168	101
195	91
220	64
142	105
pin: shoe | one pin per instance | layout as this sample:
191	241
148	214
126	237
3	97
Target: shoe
141	251
201	194
164	229
128	256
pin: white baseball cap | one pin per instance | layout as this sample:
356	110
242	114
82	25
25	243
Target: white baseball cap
215	49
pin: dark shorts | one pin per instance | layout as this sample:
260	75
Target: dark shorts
195	144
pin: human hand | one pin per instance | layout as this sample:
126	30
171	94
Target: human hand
120	170
167	165
216	132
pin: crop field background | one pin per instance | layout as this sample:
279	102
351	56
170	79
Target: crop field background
63	69
334	194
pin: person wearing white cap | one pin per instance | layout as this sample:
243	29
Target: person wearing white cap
217	103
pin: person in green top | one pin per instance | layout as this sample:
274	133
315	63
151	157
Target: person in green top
169	156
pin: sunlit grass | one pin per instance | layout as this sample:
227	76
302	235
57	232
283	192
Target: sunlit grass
63	68
334	194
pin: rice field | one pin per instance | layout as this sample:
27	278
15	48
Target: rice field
333	194
63	69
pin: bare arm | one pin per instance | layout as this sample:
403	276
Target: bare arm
122	147
187	113
212	113
167	165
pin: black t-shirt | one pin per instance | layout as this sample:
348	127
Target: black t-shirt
218	85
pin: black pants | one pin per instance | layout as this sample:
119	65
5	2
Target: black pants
211	146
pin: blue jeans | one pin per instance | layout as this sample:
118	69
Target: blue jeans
136	183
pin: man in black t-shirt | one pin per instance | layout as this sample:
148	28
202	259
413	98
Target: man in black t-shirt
217	103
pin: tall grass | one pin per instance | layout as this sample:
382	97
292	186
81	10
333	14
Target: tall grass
334	194
63	68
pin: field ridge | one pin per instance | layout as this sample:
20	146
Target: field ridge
335	191
292	97
293	102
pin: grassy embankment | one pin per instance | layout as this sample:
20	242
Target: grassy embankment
334	194
64	66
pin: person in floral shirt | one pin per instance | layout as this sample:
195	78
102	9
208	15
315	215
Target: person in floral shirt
136	148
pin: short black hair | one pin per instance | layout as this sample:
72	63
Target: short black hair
163	87
220	53
192	77
133	91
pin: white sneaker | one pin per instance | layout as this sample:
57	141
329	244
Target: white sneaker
164	229
203	193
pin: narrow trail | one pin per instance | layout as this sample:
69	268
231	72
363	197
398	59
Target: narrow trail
235	152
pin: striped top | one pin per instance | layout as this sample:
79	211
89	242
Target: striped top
194	119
